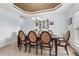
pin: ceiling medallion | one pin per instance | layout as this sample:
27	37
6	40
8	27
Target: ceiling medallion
32	8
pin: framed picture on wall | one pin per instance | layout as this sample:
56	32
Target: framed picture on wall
47	23
36	23
51	23
39	24
69	21
43	24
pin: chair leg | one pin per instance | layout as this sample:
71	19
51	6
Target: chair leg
36	49
33	46
58	43
41	50
29	48
50	51
20	46
52	43
25	47
40	46
18	42
66	50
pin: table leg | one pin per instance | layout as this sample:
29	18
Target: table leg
56	48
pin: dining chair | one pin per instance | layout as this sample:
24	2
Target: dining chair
33	41
46	41
64	43
22	39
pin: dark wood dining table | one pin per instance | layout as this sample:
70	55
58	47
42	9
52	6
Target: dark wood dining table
55	39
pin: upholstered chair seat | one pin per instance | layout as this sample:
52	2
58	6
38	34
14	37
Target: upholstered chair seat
22	39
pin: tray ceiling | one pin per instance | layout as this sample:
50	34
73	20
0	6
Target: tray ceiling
34	7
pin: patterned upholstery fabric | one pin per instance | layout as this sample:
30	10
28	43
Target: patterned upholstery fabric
45	37
63	43
66	36
22	36
32	36
48	44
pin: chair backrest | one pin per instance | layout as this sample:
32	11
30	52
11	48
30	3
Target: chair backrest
21	35
67	36
45	37
32	36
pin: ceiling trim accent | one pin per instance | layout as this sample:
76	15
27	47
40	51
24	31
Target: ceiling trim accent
52	9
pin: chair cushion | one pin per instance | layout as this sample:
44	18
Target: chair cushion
32	36
27	41
23	42
63	43
22	36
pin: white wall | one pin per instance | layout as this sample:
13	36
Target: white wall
9	25
74	31
27	25
59	19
